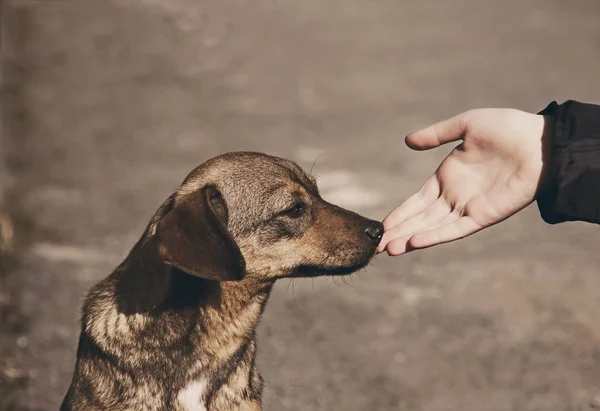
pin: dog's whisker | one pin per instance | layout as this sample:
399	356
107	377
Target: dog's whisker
293	293
313	288
288	286
314	162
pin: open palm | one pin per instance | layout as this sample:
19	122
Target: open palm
494	173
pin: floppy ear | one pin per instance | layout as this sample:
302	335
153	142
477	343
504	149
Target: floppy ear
193	237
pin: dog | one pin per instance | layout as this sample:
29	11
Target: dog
174	326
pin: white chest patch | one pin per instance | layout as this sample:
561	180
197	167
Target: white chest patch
190	397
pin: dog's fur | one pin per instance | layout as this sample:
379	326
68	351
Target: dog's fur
174	326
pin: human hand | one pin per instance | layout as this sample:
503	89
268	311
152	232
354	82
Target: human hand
495	172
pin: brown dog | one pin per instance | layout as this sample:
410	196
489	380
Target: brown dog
174	326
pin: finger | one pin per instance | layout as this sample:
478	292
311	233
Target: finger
445	131
428	218
401	245
414	205
461	228
397	246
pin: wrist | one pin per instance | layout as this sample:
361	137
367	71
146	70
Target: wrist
547	139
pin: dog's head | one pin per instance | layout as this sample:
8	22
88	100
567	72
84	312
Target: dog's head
250	214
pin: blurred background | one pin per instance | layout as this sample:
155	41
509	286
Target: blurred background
107	105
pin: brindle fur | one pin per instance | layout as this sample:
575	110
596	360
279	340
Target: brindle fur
174	326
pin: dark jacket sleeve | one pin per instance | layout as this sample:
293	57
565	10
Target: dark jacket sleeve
573	191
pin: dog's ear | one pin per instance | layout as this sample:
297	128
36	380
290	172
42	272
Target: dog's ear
193	237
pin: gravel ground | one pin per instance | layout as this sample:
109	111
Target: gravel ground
108	104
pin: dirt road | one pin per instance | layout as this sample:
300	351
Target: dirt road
110	103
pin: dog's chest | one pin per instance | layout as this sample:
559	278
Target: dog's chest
202	394
191	397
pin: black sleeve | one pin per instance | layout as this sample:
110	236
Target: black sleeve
573	192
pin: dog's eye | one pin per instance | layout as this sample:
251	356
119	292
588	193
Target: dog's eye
296	211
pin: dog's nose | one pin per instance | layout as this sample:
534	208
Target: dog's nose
375	231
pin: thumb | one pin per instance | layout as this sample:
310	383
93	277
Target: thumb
440	133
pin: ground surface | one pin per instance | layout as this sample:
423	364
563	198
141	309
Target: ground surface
110	103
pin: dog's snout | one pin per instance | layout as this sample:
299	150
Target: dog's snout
375	231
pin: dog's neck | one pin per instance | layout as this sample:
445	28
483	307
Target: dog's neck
224	314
